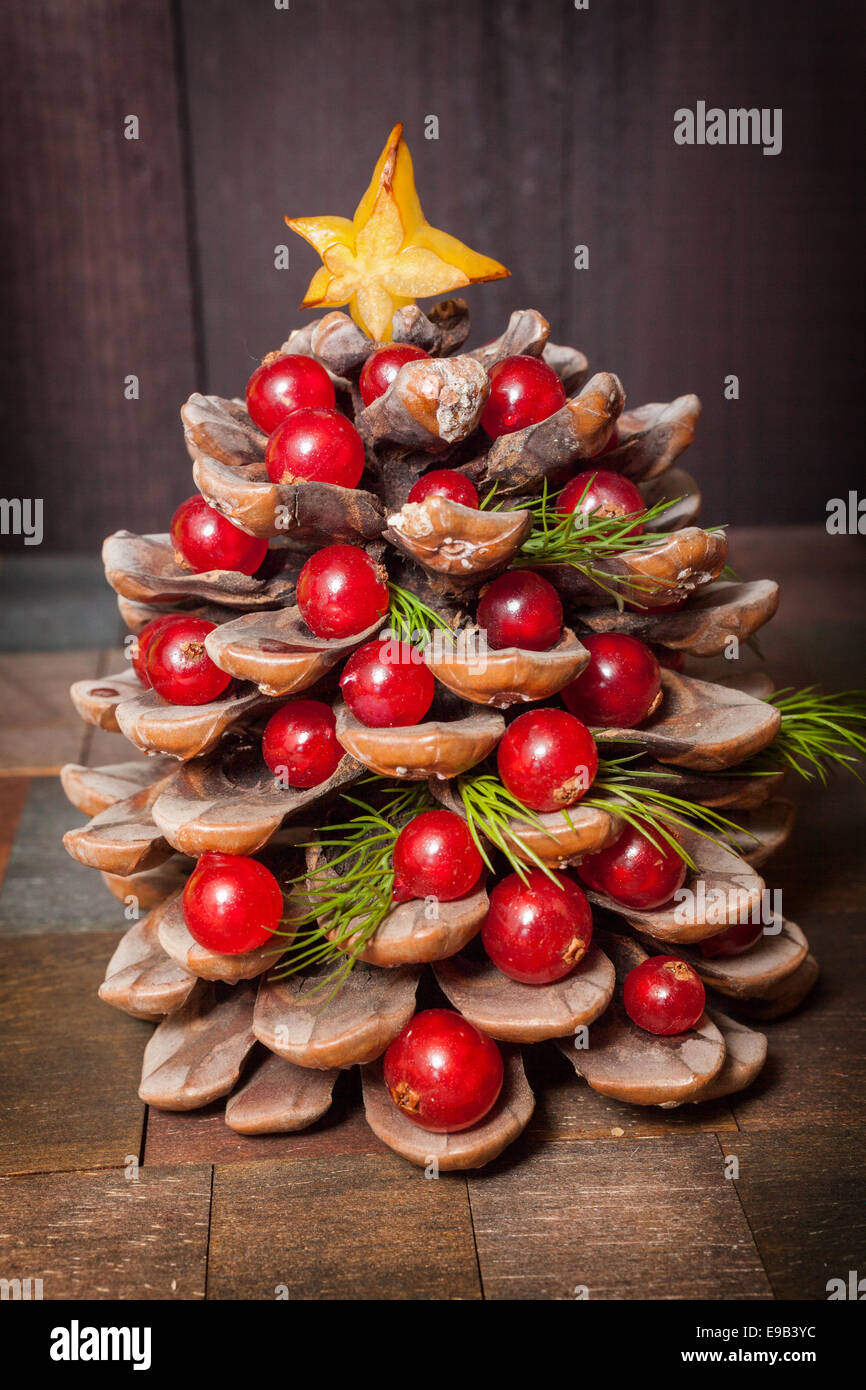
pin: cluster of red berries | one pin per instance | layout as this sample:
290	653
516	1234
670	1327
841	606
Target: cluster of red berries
292	400
441	1071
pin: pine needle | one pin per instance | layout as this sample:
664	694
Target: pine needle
629	792
490	812
619	788
351	891
819	733
583	541
412	620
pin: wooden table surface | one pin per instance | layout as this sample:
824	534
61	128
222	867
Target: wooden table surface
105	1199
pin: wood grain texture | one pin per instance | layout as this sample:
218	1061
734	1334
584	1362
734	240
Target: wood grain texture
71	1063
105	1236
202	1136
13	794
98	282
358	1227
700	261
573	1194
567	1108
629	1220
40	730
803	1198
815	1073
44	890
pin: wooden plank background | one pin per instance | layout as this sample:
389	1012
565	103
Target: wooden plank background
155	256
596	1198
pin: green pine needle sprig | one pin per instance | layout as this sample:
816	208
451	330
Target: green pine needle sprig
583	542
491	811
630	792
351	892
819	733
412	620
619	788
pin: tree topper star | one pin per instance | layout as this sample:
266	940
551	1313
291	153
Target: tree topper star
388	255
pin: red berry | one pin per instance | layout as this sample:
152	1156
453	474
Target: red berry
442	1072
231	904
283	383
634	872
387	685
602	493
617	688
537	931
300	743
663	995
204	540
446	482
141	645
340	592
180	669
733	941
436	857
520	609
547	759
523	390
315	446
382	366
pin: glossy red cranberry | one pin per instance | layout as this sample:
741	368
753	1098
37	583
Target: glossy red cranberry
148	634
443	1072
382	366
436	857
446	482
523	390
620	684
634	872
315	446
521	609
284	382
341	591
733	941
537	931
547	759
299	743
663	995
179	667
203	539
231	904
602	493
387	685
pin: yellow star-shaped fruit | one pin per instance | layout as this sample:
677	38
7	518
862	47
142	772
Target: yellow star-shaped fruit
388	255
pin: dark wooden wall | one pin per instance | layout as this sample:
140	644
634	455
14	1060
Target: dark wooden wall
155	257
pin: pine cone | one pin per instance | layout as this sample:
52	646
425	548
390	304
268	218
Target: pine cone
226	1026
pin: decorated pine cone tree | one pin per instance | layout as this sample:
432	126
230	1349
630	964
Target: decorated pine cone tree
409	670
